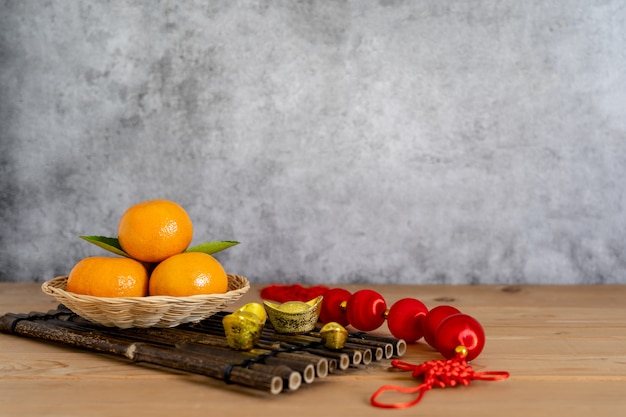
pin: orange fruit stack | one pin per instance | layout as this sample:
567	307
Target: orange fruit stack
155	234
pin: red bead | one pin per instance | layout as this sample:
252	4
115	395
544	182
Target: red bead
331	306
432	320
366	310
460	330
405	319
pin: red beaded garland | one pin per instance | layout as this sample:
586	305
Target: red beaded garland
444	327
366	310
405	319
459	337
332	309
460	330
433	319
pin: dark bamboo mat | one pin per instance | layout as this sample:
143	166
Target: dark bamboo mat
278	363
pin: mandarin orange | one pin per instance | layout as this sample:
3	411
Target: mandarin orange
188	273
154	230
108	277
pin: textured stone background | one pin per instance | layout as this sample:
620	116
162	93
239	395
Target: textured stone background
339	141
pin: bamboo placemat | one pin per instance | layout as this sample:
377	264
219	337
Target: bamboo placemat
278	363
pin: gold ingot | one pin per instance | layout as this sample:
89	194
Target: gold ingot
294	317
333	335
255	308
243	329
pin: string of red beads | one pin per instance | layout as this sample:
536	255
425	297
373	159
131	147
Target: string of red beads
459	337
443	327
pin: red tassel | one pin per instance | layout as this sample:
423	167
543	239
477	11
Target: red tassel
439	373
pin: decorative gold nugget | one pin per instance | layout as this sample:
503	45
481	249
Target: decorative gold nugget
244	326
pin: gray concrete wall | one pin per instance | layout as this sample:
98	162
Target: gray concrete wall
339	141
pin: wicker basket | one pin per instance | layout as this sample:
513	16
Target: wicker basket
151	311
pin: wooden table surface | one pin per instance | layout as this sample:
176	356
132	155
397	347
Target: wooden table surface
564	346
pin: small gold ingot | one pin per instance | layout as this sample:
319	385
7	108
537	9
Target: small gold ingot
294	317
334	335
243	329
255	308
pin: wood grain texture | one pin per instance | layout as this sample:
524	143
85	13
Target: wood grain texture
563	345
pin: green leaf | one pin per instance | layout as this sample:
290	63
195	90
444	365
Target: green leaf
212	247
109	243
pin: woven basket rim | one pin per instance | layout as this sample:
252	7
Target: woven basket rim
148	311
58	286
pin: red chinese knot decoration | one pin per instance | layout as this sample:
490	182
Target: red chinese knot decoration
459	337
438	373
